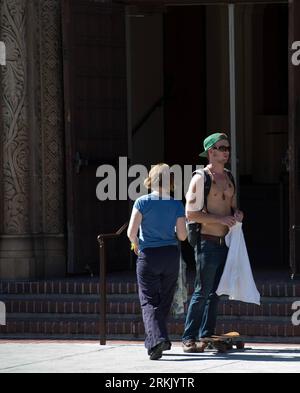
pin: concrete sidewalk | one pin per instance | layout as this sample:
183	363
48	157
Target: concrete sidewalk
131	357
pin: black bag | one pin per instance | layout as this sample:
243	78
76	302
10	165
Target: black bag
194	228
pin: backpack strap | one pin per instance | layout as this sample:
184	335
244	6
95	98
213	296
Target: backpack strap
230	175
207	184
207	187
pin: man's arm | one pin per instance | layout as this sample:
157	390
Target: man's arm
194	205
238	214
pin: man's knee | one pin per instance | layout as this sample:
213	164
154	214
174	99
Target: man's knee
199	294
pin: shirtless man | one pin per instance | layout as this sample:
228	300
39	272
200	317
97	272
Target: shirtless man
216	218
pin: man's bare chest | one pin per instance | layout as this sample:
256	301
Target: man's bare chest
221	187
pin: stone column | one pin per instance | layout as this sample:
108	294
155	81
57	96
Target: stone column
32	243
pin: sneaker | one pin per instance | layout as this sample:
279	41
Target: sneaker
157	352
201	346
166	346
189	346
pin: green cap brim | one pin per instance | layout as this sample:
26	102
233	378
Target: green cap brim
204	154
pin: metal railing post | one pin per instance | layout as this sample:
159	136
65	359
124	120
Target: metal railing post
102	291
102	279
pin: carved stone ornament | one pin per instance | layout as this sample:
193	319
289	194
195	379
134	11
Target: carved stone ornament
15	140
32	117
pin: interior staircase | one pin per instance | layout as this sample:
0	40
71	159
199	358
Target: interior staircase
69	309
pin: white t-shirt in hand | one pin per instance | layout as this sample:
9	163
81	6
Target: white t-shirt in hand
237	280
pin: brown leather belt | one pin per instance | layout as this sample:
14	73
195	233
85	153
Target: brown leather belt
220	240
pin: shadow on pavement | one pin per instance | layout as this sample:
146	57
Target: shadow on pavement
249	354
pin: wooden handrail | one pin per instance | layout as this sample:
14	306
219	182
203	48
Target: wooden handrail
148	114
157	104
101	240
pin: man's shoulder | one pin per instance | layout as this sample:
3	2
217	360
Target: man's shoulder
199	172
230	174
228	171
198	177
202	174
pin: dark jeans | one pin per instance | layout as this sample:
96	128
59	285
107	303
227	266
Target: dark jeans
157	275
202	313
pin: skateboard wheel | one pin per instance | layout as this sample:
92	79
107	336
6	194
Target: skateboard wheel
240	345
222	348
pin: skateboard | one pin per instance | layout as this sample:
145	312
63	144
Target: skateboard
225	342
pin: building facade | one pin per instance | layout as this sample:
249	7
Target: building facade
87	82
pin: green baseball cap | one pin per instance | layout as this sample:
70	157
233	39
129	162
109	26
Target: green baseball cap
211	140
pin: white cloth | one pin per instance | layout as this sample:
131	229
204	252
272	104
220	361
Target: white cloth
180	296
237	280
2	314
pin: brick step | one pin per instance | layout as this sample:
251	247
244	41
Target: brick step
91	287
128	337
65	287
129	304
132	327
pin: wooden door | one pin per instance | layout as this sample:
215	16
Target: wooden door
294	133
96	126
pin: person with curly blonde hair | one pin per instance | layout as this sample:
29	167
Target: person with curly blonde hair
160	221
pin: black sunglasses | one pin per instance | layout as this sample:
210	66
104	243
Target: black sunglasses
223	149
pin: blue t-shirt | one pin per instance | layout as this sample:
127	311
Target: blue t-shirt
159	220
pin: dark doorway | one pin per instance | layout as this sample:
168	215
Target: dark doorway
196	71
96	127
185	82
294	124
262	80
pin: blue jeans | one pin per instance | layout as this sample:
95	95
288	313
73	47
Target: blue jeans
202	313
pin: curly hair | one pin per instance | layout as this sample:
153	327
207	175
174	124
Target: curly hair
160	176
